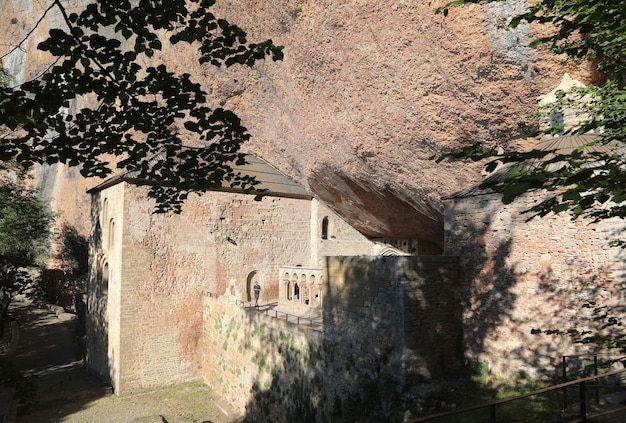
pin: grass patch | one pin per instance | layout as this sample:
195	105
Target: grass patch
187	402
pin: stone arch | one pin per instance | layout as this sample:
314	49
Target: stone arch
252	278
102	281
390	251
303	288
286	287
309	289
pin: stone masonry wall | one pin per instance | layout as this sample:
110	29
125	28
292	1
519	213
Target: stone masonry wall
171	260
104	290
165	264
401	311
383	317
267	368
519	275
161	296
97	322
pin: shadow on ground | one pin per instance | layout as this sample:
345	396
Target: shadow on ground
45	350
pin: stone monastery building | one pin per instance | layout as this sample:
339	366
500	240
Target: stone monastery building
153	271
163	289
518	274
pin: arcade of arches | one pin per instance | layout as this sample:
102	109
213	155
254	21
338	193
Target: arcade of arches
301	286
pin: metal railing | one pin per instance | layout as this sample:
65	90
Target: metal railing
277	314
478	413
597	361
289	317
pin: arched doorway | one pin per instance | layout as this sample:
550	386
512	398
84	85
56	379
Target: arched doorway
250	281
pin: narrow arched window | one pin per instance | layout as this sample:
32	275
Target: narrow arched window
111	233
325	228
103	286
251	280
105	210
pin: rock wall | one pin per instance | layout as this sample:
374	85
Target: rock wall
63	186
517	276
368	91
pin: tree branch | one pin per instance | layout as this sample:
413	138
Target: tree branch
19	45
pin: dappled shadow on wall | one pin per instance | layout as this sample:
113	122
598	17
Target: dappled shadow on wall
519	277
366	364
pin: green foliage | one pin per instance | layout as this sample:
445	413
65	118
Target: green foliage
4	77
24	225
584	183
606	333
127	104
25	221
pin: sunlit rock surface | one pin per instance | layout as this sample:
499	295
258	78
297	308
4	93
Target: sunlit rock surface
368	91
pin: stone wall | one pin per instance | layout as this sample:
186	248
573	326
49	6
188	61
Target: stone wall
267	368
104	293
390	323
519	275
171	260
97	321
159	267
403	310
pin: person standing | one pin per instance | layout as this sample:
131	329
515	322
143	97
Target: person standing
257	292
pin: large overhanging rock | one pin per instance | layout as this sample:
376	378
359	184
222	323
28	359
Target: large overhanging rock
379	212
367	92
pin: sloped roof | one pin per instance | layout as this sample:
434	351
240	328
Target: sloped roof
559	145
271	181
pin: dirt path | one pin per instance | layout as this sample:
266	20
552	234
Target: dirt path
46	350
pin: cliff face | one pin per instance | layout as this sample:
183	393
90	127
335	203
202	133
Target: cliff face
368	91
19	35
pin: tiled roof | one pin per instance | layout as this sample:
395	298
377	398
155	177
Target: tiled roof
565	144
272	182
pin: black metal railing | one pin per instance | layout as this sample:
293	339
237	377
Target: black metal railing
298	320
588	364
550	410
270	311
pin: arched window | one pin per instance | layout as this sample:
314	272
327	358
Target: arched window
111	233
103	280
303	291
287	290
325	227
557	119
250	281
105	210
